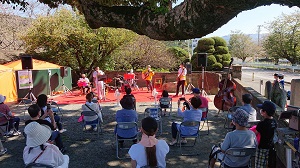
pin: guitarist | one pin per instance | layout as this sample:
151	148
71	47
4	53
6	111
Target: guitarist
147	75
181	77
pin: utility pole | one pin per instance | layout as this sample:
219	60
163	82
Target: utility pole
258	33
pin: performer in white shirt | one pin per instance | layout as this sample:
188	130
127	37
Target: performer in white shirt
84	83
99	84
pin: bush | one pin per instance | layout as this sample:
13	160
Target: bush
221	50
219	41
206	42
211	59
226	63
226	57
219	58
205	48
217	66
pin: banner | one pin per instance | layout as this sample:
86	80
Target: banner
25	79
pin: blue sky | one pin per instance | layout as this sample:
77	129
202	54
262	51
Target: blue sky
248	21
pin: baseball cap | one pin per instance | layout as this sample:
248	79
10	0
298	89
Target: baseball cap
196	90
240	117
267	106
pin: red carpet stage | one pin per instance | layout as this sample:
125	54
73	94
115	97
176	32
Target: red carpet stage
141	96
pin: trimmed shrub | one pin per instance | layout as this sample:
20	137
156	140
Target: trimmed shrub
226	63
219	58
226	57
217	66
205	47
219	41
221	50
211	59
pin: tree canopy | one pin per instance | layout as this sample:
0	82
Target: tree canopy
157	19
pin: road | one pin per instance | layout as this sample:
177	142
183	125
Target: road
252	77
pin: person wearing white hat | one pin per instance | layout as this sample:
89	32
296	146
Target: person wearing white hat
37	149
13	120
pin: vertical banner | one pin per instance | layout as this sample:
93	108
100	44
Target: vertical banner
25	79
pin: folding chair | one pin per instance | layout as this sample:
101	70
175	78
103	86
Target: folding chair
125	126
4	122
204	118
239	152
228	117
188	125
38	165
166	102
155	112
96	122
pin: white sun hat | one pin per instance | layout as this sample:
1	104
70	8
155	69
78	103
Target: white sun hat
36	134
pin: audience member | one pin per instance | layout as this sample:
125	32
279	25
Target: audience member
128	94
164	101
266	129
149	151
194	114
13	128
281	80
126	114
38	150
90	106
35	114
247	99
239	138
196	92
42	102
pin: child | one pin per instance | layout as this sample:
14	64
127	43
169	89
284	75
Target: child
266	129
164	101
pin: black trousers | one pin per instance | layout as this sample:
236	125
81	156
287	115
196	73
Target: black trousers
180	83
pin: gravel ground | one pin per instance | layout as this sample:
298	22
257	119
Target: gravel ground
87	150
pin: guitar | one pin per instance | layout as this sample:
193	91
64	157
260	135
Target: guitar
145	75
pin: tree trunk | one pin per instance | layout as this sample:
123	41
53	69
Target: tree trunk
190	19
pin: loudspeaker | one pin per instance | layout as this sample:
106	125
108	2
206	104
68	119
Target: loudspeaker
63	72
189	68
26	62
202	59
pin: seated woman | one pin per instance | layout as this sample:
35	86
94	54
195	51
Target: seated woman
194	114
164	101
239	138
149	151
127	114
37	149
42	102
84	83
90	106
13	120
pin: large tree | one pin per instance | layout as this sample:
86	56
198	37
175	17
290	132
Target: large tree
284	38
242	46
157	19
66	39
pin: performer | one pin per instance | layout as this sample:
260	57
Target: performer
132	82
84	84
181	77
147	75
98	82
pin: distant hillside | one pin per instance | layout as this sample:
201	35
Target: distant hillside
10	28
253	36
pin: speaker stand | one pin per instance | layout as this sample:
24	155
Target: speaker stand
190	86
203	93
64	88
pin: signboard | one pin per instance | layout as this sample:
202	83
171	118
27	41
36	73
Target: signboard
25	79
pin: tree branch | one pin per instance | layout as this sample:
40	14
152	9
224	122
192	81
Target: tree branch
190	19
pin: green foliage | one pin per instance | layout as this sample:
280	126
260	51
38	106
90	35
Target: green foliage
226	57
219	41
221	50
217	50
219	58
67	40
226	63
284	38
217	66
179	53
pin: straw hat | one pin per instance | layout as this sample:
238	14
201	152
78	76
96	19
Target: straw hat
37	134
